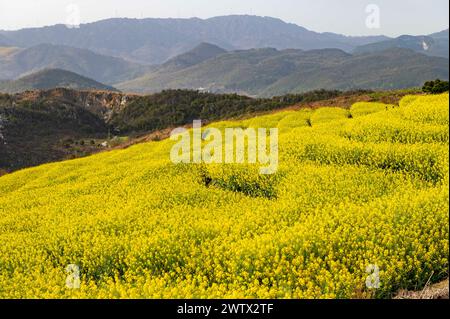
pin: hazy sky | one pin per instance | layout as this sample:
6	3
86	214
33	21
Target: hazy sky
341	16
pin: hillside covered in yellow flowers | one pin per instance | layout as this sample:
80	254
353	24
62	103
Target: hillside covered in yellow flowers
358	193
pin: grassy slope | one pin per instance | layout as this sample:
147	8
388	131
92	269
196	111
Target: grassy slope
349	193
52	78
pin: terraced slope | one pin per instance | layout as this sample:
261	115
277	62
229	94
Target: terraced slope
355	191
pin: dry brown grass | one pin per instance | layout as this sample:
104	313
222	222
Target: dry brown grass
436	291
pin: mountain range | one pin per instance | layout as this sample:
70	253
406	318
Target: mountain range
257	56
269	72
154	41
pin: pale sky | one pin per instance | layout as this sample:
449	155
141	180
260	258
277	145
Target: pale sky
340	16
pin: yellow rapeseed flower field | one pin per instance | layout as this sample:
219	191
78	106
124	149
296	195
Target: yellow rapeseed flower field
356	191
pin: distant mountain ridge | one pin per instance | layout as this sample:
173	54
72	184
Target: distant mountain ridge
441	34
251	55
204	51
436	44
154	41
270	72
99	67
52	78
